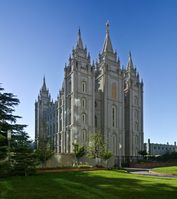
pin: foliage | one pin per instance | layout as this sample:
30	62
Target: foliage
44	152
96	146
7	119
79	152
106	156
97	149
15	147
143	153
167	157
23	159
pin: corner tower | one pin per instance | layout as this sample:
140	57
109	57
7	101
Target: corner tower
133	89
77	99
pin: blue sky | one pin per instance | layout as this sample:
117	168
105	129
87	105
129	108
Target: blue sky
37	37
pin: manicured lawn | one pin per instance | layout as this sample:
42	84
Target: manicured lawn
166	170
88	185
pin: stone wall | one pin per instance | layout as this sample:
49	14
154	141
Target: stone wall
68	160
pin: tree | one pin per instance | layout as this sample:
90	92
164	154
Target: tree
23	157
8	122
143	153
106	156
44	152
96	147
79	152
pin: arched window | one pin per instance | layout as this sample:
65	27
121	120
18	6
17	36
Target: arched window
84	137
83	103
83	118
114	116
114	91
95	121
83	87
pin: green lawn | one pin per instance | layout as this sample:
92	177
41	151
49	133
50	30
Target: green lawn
88	185
166	170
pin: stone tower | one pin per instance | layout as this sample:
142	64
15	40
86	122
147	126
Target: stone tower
110	98
76	100
45	118
133	89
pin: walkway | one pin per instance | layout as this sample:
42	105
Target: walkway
148	172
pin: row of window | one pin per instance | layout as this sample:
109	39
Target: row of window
163	148
83	87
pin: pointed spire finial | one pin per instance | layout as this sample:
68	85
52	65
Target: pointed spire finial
130	62
44	84
107	27
107	44
79	40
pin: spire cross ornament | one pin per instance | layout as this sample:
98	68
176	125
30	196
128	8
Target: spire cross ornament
107	27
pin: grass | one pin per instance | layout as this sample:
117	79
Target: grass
100	184
166	170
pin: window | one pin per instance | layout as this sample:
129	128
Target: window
95	104
83	118
69	87
114	116
114	92
83	103
95	121
83	87
84	137
69	118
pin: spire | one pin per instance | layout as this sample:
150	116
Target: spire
79	40
130	62
44	84
107	43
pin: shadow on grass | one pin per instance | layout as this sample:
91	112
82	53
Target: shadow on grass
89	185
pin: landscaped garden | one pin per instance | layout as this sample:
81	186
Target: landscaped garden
100	184
166	170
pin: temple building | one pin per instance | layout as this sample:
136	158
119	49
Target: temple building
96	97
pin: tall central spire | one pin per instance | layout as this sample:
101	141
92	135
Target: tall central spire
107	43
44	84
79	40
130	62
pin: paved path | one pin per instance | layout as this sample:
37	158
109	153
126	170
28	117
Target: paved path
148	172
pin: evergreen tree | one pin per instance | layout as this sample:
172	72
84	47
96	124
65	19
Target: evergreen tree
7	120
44	152
17	147
23	158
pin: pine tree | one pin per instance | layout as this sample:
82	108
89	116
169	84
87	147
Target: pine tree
7	120
17	147
23	158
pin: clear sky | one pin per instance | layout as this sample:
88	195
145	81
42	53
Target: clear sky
37	37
